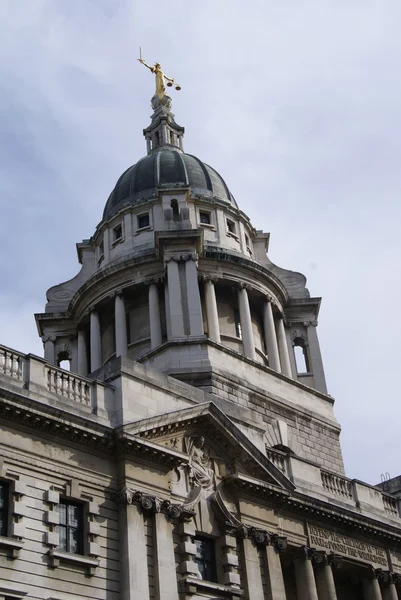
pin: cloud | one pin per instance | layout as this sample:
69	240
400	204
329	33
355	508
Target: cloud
295	103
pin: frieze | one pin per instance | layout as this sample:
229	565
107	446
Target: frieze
347	547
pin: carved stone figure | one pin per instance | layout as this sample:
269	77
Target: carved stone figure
201	472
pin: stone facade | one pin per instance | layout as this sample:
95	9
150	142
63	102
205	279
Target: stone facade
191	449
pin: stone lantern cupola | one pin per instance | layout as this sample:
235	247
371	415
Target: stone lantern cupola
176	277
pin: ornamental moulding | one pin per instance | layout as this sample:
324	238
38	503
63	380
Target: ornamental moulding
154	504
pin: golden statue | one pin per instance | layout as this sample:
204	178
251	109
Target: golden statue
160	77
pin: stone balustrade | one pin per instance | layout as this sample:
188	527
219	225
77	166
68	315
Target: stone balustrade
390	505
11	362
73	387
336	484
37	375
279	459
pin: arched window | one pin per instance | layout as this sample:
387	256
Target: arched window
64	361
301	355
176	212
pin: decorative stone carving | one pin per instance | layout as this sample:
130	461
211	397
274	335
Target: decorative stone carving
201	472
154	504
280	542
299	333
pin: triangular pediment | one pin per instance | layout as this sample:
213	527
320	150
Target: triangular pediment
206	431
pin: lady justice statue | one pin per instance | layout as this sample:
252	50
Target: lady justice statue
160	79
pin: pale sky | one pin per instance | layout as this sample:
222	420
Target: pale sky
295	102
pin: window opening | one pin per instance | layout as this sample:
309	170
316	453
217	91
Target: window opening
4	494
237	322
176	212
63	361
101	249
70	528
204	217
143	221
231	227
117	233
301	355
205	558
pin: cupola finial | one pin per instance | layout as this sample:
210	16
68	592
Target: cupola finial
160	78
163	130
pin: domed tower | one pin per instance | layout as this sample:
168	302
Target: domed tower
176	278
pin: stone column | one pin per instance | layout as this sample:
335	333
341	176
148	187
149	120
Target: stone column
315	358
252	570
148	145
95	341
211	311
388	588
304	576
193	297
283	348
120	325
82	354
154	316
175	314
48	343
270	336
133	554
246	323
326	588
276	579
166	576
371	588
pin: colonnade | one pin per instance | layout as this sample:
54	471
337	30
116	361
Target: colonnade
183	318
274	330
315	580
121	339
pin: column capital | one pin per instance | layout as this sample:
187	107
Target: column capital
176	257
48	338
153	504
154	280
303	553
207	277
280	542
269	298
312	323
244	286
386	576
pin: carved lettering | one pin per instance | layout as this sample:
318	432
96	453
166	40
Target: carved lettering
341	544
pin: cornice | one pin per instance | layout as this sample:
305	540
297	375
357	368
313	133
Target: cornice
224	255
306	506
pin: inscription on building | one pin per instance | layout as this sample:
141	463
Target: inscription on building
324	539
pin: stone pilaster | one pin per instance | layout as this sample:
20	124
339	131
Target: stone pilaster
166	576
133	554
193	296
276	580
175	315
48	343
316	357
154	316
120	325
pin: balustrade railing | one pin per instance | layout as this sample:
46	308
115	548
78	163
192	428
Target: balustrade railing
279	459
11	362
336	485
66	384
390	505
